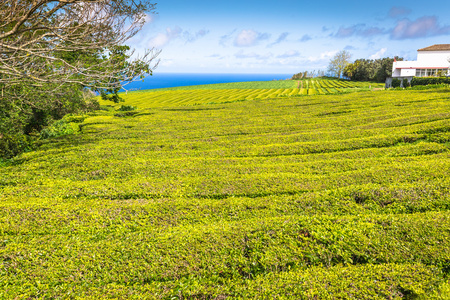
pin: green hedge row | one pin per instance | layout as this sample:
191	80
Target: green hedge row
429	80
321	197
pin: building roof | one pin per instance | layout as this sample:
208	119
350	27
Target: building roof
438	47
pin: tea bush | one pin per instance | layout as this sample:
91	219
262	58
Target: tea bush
127	108
240	91
60	127
319	197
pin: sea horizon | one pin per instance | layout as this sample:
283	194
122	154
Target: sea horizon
169	79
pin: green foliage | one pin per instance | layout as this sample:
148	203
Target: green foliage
442	293
240	91
299	76
429	80
338	63
319	197
370	70
405	83
443	87
65	126
127	108
273	84
46	75
18	119
396	82
305	75
120	57
13	144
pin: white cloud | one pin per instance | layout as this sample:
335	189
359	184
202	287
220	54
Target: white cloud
358	30
305	38
397	11
253	55
420	28
288	54
225	38
323	56
280	39
149	18
163	39
167	63
193	37
379	54
248	38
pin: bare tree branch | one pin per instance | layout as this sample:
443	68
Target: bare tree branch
47	43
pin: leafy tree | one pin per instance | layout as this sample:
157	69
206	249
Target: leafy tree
364	70
71	42
305	74
370	70
385	68
297	76
350	70
53	51
338	63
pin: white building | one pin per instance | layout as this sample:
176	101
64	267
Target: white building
431	61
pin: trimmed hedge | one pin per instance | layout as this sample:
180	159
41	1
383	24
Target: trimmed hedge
429	80
320	197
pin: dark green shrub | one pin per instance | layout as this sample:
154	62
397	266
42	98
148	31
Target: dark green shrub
405	83
60	127
429	86
127	108
396	83
429	80
107	108
13	144
126	114
74	118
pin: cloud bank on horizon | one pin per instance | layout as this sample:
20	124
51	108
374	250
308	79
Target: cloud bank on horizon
260	37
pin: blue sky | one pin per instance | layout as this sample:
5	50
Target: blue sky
285	37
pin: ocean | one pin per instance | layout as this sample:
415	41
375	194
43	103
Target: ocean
165	80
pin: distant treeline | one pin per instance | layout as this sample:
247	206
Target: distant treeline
306	74
370	69
360	70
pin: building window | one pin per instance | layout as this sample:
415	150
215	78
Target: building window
442	73
421	72
432	72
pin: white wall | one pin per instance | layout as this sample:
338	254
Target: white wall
404	68
425	60
407	72
433	58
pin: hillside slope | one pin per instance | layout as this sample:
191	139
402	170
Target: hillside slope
332	196
241	91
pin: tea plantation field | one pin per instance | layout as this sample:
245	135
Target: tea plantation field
320	197
241	91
